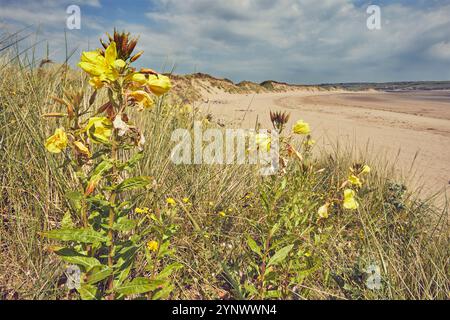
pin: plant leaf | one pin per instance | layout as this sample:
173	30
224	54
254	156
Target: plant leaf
67	222
71	256
167	271
88	292
74	198
98	273
139	285
254	246
124	224
102	168
78	235
133	183
280	255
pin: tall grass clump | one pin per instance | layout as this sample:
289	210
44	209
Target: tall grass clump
108	200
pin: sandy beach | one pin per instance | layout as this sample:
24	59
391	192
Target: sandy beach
408	129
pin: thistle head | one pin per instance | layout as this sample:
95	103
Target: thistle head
125	44
279	119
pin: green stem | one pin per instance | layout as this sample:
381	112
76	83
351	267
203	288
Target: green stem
112	218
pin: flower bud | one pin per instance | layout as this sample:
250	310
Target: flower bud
136	56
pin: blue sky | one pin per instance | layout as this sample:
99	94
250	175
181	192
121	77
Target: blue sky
298	41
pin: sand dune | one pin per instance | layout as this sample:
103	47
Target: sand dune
410	129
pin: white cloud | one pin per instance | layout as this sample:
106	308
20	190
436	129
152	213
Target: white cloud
300	41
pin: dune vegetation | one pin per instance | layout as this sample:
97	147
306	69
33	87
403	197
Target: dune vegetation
86	180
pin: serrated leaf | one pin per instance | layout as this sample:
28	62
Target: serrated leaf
71	256
78	235
133	183
98	273
253	246
138	286
280	255
88	292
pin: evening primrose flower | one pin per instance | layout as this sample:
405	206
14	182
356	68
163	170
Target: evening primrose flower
323	211
349	200
301	127
142	98
171	201
159	84
354	180
99	129
139	79
152	245
57	142
263	141
102	68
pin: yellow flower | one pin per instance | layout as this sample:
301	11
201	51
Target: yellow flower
366	169
152	245
144	210
349	200
171	201
354	180
142	98
57	142
222	214
185	200
82	148
139	78
263	141
159	84
323	211
102	68
301	127
99	129
96	82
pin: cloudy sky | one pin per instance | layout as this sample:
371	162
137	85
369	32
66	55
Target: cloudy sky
298	41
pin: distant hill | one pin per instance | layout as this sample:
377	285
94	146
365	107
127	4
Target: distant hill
192	87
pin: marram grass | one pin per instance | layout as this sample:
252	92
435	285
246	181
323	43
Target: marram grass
140	226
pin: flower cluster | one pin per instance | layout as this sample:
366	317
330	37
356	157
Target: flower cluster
111	69
353	182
